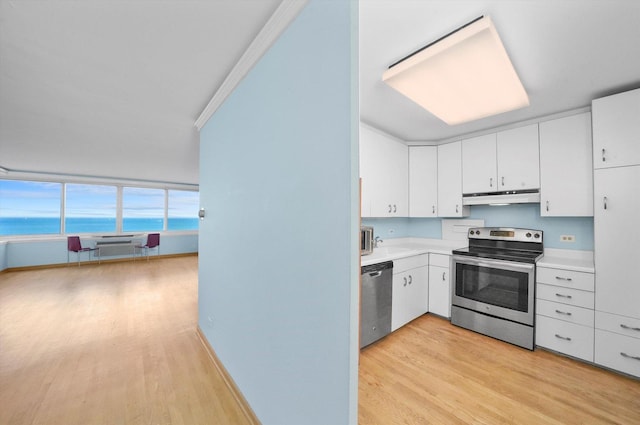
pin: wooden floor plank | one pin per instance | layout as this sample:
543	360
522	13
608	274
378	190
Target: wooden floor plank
431	372
114	343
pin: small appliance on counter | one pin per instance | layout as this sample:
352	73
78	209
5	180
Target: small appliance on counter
366	240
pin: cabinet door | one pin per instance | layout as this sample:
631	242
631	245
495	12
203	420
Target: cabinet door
439	291
410	296
616	130
617	252
566	167
450	181
518	157
384	173
479	164
423	181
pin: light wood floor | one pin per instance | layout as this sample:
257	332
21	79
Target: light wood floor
105	344
431	372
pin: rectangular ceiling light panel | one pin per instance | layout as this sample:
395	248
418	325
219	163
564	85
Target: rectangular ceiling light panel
462	77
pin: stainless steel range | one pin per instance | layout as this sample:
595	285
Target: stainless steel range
493	289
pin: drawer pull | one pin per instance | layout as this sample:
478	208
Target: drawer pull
623	326
568	279
566	338
629	357
566	313
563	296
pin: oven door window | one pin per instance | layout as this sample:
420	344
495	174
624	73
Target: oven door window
503	288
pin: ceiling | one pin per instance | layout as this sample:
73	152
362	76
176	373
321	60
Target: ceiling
112	88
566	52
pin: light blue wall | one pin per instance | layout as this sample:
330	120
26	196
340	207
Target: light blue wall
520	215
33	252
3	256
278	249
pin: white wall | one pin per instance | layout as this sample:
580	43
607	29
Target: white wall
278	279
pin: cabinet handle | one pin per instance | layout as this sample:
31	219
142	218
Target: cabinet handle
490	181
568	279
547	205
443	276
623	326
629	357
456	208
389	208
605	202
566	338
503	180
603	157
563	296
566	313
410	279
405	281
433	209
394	207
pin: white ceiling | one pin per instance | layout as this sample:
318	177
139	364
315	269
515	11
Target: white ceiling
112	88
566	52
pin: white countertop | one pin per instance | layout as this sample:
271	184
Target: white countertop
579	261
393	249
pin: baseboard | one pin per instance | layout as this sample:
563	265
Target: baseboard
228	381
95	262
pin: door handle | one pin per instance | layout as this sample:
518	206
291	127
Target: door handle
605	202
375	274
503	180
603	157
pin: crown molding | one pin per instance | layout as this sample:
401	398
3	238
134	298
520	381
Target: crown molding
277	23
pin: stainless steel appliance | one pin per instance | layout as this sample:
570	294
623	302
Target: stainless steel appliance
366	240
493	290
375	302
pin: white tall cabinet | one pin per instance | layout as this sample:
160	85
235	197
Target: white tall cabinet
566	167
385	176
450	181
616	143
423	181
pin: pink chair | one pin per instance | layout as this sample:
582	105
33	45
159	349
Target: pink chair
153	241
74	245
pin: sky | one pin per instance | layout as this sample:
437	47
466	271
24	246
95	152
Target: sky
43	199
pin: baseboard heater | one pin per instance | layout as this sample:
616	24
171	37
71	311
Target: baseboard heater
112	248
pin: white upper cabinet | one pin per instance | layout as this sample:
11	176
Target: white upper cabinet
616	130
518	158
504	161
423	181
450	181
384	174
566	167
479	164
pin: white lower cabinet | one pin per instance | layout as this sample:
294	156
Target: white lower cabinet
439	285
565	314
410	295
617	342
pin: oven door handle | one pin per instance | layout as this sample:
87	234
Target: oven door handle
492	264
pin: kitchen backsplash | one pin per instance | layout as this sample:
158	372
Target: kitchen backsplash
521	215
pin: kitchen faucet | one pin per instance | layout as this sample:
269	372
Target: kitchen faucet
376	241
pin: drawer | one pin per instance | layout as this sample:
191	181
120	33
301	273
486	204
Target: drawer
564	337
408	263
566	278
617	352
618	324
439	260
568	313
565	295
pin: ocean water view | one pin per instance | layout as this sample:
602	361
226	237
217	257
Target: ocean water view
11	226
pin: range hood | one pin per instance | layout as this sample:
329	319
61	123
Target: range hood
502	198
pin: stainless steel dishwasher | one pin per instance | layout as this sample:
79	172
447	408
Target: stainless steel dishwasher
375	302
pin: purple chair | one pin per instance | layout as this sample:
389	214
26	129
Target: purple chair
74	245
153	241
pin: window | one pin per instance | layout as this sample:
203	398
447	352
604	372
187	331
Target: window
29	208
183	210
142	209
90	208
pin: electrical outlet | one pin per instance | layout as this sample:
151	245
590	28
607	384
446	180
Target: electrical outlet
567	238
